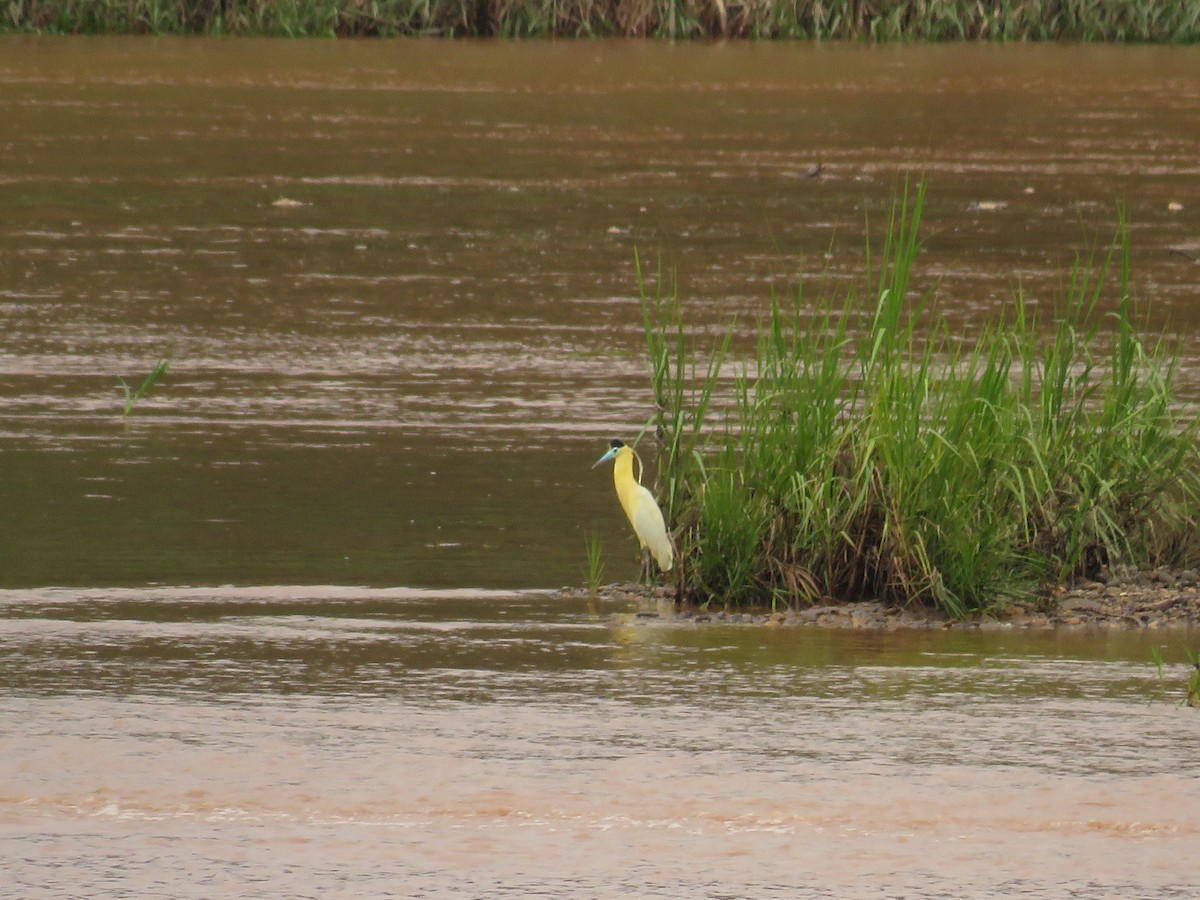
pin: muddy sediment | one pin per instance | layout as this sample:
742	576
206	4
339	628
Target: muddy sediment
1161	598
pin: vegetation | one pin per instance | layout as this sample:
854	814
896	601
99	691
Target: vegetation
1192	687
595	562
133	396
880	20
879	454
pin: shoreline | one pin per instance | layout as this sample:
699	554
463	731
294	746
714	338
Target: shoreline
1160	598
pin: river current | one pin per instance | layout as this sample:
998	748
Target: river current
290	628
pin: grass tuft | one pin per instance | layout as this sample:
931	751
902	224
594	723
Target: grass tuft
1192	686
595	563
133	396
873	453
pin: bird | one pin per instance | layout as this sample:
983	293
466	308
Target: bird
641	510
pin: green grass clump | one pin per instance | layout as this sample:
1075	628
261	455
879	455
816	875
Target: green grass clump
881	20
1192	686
878	454
594	573
132	395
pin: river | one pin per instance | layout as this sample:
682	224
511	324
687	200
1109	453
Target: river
289	628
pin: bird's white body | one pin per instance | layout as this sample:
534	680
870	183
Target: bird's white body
640	508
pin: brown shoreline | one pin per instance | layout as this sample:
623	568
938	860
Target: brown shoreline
1162	598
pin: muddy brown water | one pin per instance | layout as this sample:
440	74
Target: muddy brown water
287	630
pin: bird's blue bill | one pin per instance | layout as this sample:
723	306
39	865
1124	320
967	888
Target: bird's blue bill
612	452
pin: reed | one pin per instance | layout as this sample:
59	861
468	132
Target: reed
594	573
1192	685
1193	682
874	453
132	396
877	20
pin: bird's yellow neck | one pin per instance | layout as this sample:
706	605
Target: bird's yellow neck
623	478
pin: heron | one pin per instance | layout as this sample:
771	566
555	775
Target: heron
641	510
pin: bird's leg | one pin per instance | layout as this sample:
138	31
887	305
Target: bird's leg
647	575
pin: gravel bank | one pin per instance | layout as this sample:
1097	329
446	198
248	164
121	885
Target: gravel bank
1161	598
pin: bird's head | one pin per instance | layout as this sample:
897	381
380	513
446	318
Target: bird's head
614	448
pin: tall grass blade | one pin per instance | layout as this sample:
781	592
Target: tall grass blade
902	462
133	396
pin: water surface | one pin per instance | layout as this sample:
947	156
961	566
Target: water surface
404	379
375	742
285	631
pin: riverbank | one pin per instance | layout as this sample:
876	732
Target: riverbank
953	20
1162	598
